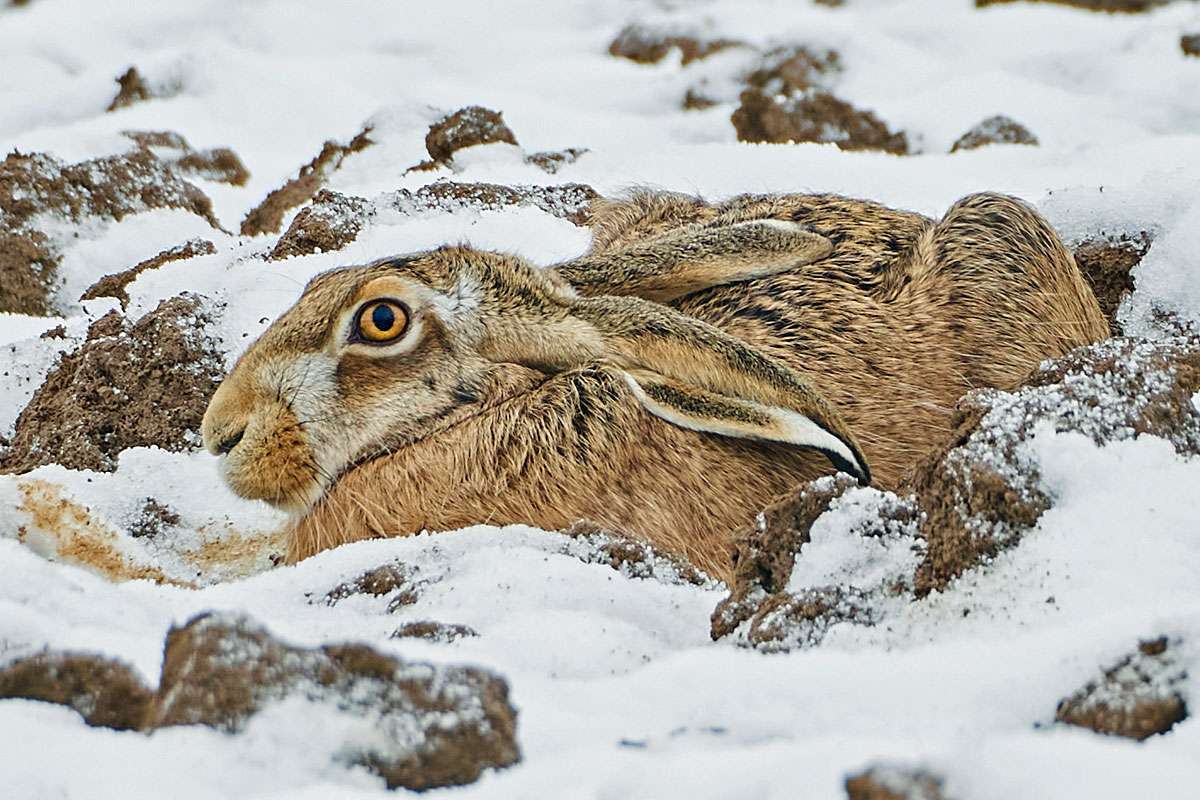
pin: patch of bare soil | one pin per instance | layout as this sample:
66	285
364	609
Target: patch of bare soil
813	117
268	216
1107	264
466	127
441	632
37	187
1190	44
1138	697
630	556
330	222
431	725
552	161
115	285
129	385
647	45
1111	6
788	70
892	782
152	520
396	579
218	164
998	129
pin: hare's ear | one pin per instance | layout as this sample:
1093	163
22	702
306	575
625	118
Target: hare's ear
696	257
700	410
697	376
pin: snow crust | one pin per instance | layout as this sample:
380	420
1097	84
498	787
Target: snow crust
620	691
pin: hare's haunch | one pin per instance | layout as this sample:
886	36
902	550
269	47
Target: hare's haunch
456	386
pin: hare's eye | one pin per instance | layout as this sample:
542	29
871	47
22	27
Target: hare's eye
381	321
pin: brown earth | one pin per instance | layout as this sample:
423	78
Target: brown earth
219	164
888	782
115	285
1111	6
397	579
268	216
33	186
813	117
792	70
1107	264
552	161
1137	697
649	45
466	127
994	130
630	556
434	631
128	385
330	222
1190	44
133	89
431	725
153	518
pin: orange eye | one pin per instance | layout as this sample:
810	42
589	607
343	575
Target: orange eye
382	321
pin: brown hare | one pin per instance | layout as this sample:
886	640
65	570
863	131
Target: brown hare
698	361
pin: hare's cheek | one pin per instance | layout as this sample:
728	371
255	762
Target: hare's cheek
274	462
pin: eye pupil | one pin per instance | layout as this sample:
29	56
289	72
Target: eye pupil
383	318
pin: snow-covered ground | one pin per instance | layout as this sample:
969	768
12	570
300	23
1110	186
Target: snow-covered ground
620	691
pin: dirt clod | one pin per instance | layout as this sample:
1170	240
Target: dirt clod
813	117
218	164
106	693
433	631
892	782
994	130
1137	697
552	161
1110	6
385	579
133	89
115	285
416	725
647	45
128	385
791	70
1190	44
466	127
569	201
151	520
1107	264
330	222
268	216
630	556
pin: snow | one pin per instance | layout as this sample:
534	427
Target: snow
620	691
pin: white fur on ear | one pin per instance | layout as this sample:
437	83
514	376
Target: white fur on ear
702	411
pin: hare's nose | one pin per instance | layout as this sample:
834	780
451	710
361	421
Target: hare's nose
225	420
230	442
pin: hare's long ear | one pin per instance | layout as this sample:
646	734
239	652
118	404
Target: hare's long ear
696	257
694	375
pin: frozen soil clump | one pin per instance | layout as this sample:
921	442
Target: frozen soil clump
1138	697
129	385
466	127
441	632
133	88
1190	44
1112	6
630	556
1107	265
813	117
416	725
892	782
115	285
648	45
219	164
334	220
37	190
994	130
832	553
396	579
268	216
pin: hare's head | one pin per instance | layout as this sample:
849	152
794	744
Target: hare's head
376	357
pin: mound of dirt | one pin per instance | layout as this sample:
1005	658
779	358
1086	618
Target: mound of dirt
396	579
433	631
892	782
763	609
994	130
1190	44
330	222
790	70
151	520
466	127
1107	264
630	556
552	161
815	116
418	726
268	216
129	385
1111	6
219	164
114	285
970	499
132	89
37	189
1137	697
647	45
106	693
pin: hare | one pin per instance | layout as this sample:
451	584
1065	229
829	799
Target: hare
698	361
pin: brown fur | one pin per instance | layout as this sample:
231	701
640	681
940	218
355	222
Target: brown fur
891	329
